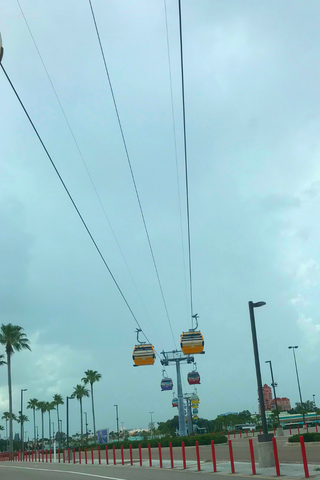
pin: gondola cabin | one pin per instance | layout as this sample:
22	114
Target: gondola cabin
166	384
192	342
143	354
193	378
174	402
195	417
195	410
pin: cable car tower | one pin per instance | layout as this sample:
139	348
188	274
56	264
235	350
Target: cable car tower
177	357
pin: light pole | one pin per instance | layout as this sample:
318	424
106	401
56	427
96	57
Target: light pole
151	425
37	434
117	418
22	390
293	348
274	385
68	398
52	424
86	414
314	399
265	439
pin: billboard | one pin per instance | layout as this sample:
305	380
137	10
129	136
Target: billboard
103	435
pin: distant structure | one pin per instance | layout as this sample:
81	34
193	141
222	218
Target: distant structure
269	402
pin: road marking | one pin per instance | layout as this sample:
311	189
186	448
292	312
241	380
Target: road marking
63	471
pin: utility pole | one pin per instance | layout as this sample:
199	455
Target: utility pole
177	357
68	398
117	418
86	415
21	418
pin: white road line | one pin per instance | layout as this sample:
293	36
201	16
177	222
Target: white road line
62	471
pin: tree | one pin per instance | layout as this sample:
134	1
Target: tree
80	391
92	376
58	400
42	406
14	340
33	405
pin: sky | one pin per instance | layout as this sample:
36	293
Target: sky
252	115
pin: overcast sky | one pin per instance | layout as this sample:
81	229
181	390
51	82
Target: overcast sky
252	104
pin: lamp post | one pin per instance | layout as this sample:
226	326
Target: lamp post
117	418
37	435
68	398
86	415
52	424
314	399
151	425
274	385
265	439
293	348
21	413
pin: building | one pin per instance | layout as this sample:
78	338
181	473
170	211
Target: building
269	402
283	404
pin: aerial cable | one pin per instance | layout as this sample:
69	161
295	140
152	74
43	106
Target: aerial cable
175	144
73	203
130	167
84	162
186	162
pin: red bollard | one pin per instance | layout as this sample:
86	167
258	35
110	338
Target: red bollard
260	430
85	455
130	450
183	455
304	457
92	457
276	458
171	455
68	455
42	455
114	455
140	456
253	432
214	461
50	456
30	456
298	430
253	463
79	456
74	455
99	455
122	459
290	429
316	427
107	457
198	456
64	456
231	457
160	455
307	428
150	459
59	454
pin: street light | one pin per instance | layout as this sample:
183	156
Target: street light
68	398
314	399
274	385
86	414
295	363
117	417
1	48
22	390
151	424
52	424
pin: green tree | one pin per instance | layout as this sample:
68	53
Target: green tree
33	405
42	406
92	376
58	400
14	340
80	391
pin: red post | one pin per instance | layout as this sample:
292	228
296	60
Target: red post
68	455
114	455
59	454
253	463
99	455
298	430
316	427
42	455
240	434
92	457
74	455
160	455
276	458
171	454
234	434
85	455
304	457
140	456
150	459
183	455
260	430
307	428
30	456
107	457
64	456
253	432
50	456
231	457
290	429
79	456
131	459
214	461
122	459
198	456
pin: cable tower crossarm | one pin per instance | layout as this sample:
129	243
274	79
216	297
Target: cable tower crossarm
131	169
73	203
186	161
83	160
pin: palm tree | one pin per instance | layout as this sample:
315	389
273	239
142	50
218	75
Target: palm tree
92	376
33	405
49	407
42	406
58	400
15	340
80	391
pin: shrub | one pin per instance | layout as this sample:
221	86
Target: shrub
176	441
308	437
